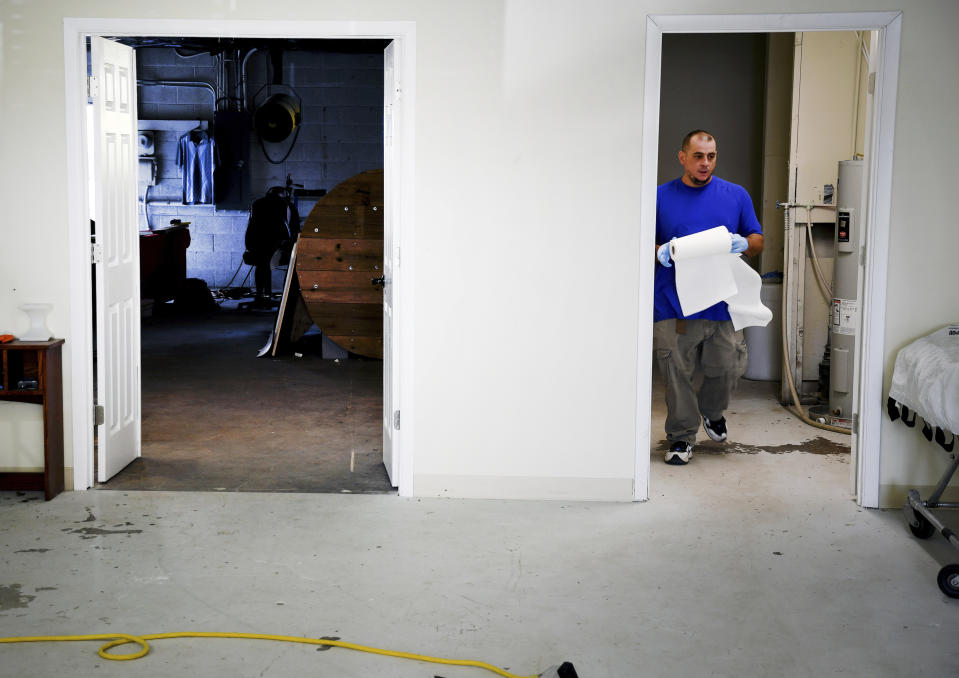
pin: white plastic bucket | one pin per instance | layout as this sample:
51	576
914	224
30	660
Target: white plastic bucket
764	344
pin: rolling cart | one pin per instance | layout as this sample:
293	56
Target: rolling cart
925	385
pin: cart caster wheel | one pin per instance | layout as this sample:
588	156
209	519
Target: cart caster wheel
924	529
949	580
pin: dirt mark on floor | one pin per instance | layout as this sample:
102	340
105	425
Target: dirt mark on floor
91	532
11	598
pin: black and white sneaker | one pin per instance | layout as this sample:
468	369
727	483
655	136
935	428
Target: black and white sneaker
715	429
679	453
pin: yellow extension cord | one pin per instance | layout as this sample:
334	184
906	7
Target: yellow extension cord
118	639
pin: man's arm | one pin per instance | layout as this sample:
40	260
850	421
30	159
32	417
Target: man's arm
755	241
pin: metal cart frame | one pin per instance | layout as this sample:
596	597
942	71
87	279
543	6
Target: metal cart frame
923	523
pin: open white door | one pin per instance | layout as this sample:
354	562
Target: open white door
113	90
391	200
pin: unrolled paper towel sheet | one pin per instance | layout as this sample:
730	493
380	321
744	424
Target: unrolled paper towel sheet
707	273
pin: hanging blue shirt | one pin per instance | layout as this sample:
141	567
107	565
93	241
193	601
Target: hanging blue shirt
683	210
196	159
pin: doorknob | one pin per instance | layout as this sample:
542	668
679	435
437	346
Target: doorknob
378	281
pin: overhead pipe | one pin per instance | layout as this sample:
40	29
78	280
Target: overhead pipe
243	77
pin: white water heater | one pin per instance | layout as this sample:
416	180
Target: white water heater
844	317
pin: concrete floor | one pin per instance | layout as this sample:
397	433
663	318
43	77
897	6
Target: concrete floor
216	417
746	562
750	561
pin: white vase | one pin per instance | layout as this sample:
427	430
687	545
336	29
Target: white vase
38	322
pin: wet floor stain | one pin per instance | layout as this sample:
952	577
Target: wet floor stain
818	445
11	598
32	551
93	532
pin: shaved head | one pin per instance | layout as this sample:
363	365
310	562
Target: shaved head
695	134
698	158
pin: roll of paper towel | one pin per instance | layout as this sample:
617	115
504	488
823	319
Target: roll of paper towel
707	273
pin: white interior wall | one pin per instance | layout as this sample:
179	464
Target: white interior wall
923	238
528	128
827	96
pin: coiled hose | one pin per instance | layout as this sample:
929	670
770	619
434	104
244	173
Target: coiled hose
797	408
119	639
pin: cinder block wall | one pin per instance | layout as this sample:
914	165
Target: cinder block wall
341	134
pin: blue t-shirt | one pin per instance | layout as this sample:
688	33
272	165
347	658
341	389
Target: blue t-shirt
683	210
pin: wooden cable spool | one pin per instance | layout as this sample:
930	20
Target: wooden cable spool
338	261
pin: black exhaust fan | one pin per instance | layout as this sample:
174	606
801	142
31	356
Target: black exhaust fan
277	117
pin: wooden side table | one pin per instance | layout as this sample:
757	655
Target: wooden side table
32	372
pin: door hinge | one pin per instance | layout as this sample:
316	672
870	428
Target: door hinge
855	423
93	87
396	420
96	253
98	415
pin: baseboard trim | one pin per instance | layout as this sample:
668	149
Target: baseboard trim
523	487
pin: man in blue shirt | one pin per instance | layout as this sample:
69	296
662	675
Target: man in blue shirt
694	202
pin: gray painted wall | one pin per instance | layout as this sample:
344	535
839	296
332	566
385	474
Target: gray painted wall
715	82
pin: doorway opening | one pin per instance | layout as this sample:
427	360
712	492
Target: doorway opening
357	384
873	129
285	122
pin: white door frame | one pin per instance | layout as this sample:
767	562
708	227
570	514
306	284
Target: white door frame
75	31
867	386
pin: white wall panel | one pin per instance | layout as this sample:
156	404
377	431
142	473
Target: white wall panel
528	140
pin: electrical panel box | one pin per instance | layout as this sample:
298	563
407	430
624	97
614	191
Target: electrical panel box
231	181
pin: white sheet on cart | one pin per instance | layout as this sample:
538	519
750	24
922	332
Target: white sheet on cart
926	378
